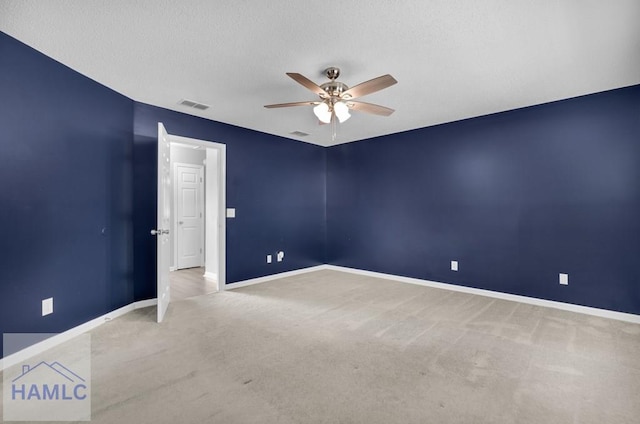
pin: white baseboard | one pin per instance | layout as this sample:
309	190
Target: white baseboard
212	276
60	338
264	279
90	325
173	268
604	313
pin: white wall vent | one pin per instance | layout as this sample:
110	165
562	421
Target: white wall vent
194	105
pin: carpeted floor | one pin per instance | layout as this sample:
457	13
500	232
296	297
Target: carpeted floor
330	347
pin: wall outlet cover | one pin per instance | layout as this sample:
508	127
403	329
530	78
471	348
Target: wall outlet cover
269	259
454	265
231	212
47	306
564	279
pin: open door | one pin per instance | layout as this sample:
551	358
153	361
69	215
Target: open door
163	222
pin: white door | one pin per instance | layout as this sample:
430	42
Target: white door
189	213
163	222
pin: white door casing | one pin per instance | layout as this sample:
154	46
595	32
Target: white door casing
189	201
163	237
215	222
212	216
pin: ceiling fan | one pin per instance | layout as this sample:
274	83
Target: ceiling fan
336	98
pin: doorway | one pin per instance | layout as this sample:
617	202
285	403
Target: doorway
197	233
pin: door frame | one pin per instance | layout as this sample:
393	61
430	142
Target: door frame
221	169
201	193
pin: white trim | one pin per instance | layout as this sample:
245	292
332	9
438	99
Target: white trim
604	313
173	268
222	199
271	277
203	199
60	338
587	310
96	322
210	276
215	226
222	221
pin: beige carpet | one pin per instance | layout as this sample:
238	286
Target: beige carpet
330	347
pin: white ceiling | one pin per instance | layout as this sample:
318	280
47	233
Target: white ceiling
453	59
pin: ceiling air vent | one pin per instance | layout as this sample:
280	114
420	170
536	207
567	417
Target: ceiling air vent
299	133
192	104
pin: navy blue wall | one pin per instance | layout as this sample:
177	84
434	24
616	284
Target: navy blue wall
72	228
515	197
78	196
277	186
66	146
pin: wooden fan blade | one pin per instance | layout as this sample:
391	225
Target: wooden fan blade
369	108
369	87
291	104
306	82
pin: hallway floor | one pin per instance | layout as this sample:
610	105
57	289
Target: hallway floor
190	282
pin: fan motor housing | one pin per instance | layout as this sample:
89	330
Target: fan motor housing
334	88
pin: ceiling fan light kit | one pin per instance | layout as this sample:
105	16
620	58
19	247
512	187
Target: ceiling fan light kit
336	97
341	110
323	112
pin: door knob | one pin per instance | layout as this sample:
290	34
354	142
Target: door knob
180	222
159	232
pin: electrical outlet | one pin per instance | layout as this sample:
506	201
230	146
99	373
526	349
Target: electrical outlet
454	265
231	212
564	279
269	259
280	256
47	306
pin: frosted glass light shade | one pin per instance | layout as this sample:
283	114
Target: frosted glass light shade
322	112
342	111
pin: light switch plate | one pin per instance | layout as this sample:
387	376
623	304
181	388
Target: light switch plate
231	212
47	306
564	279
454	265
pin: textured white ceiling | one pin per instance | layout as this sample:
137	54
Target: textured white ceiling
453	59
